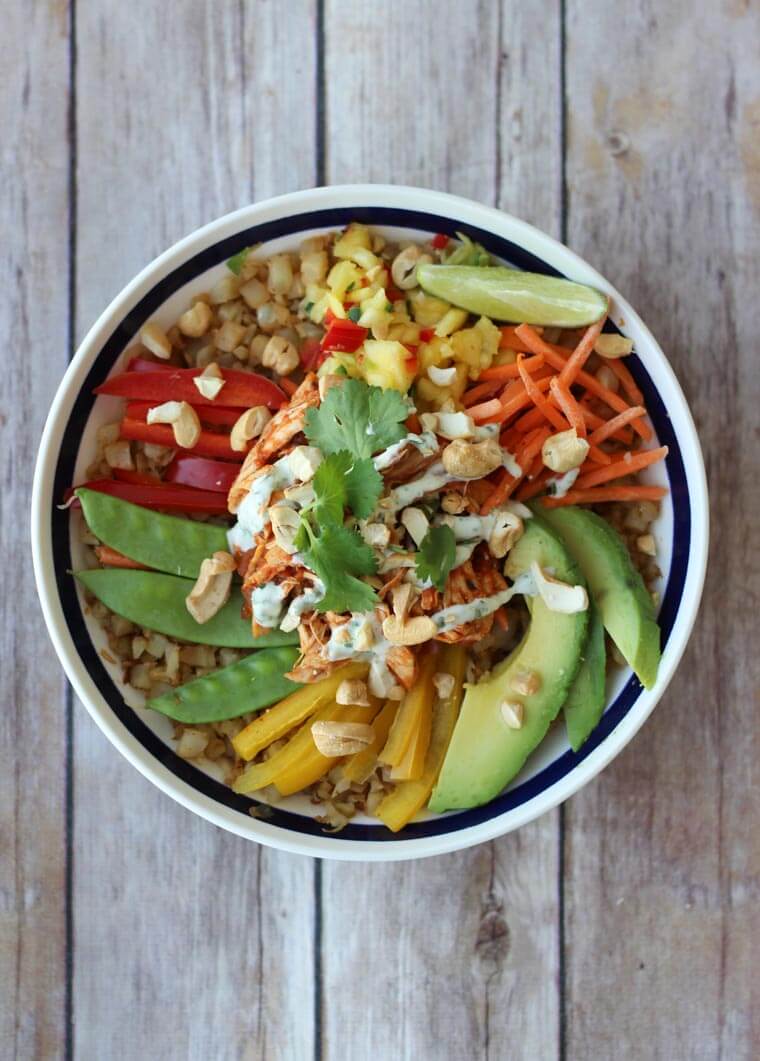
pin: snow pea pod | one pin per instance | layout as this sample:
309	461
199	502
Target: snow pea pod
157	601
166	543
511	295
254	682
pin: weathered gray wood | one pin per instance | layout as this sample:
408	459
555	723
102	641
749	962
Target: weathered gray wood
189	942
33	314
454	957
663	851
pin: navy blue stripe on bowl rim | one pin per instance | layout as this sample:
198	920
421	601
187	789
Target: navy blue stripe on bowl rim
60	526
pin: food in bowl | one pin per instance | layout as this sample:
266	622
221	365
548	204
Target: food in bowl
358	536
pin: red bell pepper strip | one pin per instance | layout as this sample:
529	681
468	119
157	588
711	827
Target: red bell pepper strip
241	389
344	336
208	445
202	473
124	475
311	354
162	495
110	558
440	240
426	334
208	414
142	364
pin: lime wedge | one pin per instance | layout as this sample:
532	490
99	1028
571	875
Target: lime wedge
510	295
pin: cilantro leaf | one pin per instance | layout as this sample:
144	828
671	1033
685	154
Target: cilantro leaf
344	481
436	556
338	555
357	418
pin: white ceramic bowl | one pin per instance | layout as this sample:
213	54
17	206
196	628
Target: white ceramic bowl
161	292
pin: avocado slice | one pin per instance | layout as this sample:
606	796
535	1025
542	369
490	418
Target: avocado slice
617	587
485	754
585	701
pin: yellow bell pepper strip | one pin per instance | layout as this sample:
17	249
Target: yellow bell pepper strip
310	764
259	775
284	716
399	807
358	768
413	762
413	714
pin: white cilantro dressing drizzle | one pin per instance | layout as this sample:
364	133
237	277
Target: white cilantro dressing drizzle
305	602
449	619
266	603
426	443
560	484
342	645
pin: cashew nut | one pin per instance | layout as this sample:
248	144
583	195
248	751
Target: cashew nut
352	691
416	522
608	345
526	682
249	426
285	524
184	420
508	528
471	460
404	267
376	534
210	381
564	451
409	632
453	503
401	597
442	377
212	588
334	739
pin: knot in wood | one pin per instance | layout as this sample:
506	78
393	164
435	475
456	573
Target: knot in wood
618	142
492	943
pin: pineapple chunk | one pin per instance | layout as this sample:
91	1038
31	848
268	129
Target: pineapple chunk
427	311
450	322
339	364
344	274
356	237
387	364
468	347
436	352
434	396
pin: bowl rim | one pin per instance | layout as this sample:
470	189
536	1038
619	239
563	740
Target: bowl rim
462	210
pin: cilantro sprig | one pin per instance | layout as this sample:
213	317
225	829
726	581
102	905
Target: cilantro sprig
436	556
357	418
335	552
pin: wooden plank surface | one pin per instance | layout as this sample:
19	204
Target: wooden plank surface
632	933
188	942
439	952
34	57
663	850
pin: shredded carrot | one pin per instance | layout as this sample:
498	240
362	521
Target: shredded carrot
557	360
581	354
510	340
630	463
627	381
524	456
288	386
485	410
554	417
568	405
530	420
533	489
482	390
110	558
609	428
624	435
505	372
607	493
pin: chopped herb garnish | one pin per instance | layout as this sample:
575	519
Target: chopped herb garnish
357	418
354	313
308	307
436	556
